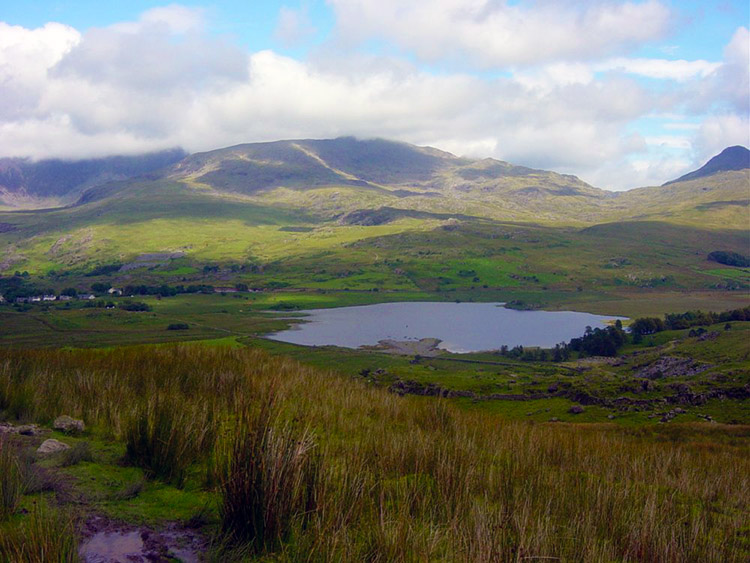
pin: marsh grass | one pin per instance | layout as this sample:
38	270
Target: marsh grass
11	479
268	482
44	535
315	467
164	436
81	451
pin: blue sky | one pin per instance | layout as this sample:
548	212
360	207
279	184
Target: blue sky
622	94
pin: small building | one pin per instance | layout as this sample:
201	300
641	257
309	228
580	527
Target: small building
225	290
2	299
36	299
86	296
64	298
22	299
49	297
114	291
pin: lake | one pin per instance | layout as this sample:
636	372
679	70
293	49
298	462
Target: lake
461	327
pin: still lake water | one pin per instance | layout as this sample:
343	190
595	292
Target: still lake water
462	327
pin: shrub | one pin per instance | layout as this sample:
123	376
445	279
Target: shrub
178	326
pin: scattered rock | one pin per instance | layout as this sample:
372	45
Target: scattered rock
68	424
52	446
554	419
671	366
28	430
611	416
575	409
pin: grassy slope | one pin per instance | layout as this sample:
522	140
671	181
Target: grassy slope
396	478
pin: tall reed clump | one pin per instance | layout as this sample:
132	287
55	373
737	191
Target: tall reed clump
44	535
165	435
11	479
268	479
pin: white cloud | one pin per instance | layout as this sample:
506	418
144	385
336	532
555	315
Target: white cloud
489	33
678	70
26	56
294	26
719	132
174	18
163	81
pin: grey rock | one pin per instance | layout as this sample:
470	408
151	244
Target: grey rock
52	446
68	424
575	409
28	430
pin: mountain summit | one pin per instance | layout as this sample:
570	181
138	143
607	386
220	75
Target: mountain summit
731	158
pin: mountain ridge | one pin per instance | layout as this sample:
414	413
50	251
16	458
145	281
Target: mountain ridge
731	158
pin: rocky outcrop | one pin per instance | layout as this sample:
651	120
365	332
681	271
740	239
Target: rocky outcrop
671	366
52	446
68	425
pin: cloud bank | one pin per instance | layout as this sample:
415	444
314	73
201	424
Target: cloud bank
567	103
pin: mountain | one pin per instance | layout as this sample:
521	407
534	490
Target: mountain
731	158
49	183
264	201
368	174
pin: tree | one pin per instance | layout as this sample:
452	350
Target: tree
100	287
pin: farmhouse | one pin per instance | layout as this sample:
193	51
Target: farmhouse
225	290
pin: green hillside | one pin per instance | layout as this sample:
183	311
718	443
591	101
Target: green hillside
348	215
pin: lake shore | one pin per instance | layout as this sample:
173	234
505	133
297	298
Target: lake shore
427	347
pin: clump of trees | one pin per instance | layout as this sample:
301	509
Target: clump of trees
608	341
600	341
135	306
679	321
729	258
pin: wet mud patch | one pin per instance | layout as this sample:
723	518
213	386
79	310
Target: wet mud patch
107	541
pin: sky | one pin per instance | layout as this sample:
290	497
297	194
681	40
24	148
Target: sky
621	94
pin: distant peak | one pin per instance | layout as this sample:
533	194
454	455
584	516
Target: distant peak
731	158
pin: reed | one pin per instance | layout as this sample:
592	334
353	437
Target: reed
11	479
44	535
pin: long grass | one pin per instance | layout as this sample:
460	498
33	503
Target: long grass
11	479
336	470
45	535
165	436
268	479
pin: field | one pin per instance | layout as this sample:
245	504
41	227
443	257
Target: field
270	460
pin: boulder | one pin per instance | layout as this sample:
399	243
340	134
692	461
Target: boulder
575	409
68	425
52	446
28	430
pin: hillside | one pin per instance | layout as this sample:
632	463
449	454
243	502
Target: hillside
295	199
25	184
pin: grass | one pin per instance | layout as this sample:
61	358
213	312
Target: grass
46	534
11	479
338	469
165	437
267	480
